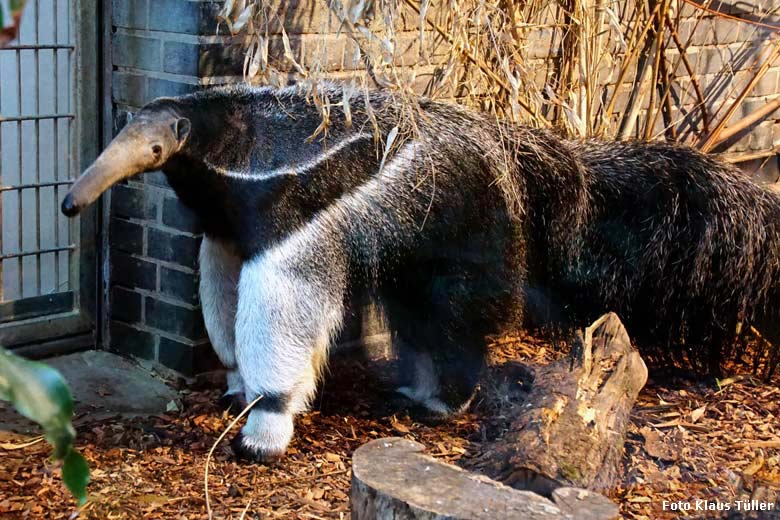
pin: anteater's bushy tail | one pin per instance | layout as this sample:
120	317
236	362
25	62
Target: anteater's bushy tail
682	246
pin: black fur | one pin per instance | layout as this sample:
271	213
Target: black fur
680	245
252	455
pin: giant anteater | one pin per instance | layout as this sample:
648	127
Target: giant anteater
455	231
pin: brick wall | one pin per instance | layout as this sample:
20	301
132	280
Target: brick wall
723	53
154	313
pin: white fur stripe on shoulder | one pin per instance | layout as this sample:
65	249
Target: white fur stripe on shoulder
294	169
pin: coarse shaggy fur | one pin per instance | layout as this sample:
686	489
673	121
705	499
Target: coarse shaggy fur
681	245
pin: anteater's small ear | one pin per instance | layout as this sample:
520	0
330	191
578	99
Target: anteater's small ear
181	129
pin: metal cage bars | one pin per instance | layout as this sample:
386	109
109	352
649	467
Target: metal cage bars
57	52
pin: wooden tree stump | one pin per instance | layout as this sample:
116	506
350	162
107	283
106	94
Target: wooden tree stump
393	479
571	429
565	443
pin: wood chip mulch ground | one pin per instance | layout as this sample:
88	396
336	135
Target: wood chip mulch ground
688	441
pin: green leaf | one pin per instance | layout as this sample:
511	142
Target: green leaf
9	11
39	392
75	474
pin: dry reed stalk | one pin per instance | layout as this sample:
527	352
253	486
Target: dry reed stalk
748	121
652	111
714	137
691	73
635	46
245	411
644	76
665	103
474	60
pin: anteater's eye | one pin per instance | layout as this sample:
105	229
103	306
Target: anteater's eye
157	150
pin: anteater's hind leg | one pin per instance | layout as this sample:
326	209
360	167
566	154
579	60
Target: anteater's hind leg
418	381
440	380
219	270
767	323
441	351
459	365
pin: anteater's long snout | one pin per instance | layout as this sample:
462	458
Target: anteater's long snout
124	157
93	182
145	144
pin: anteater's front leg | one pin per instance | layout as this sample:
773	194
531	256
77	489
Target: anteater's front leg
220	267
290	305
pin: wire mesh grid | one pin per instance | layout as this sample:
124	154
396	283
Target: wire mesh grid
36	120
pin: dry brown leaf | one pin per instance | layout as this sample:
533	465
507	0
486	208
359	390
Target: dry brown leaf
13	446
698	413
162	456
667	448
754	466
399	427
152	499
332	457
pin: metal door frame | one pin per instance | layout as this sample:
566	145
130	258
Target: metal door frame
76	328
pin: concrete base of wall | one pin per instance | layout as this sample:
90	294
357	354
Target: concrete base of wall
103	384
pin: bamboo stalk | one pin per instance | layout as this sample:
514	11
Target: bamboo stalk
659	40
748	121
629	59
586	71
671	129
571	59
705	116
740	157
714	136
643	75
727	16
665	106
629	118
599	52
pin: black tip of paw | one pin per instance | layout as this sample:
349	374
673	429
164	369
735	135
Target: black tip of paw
393	403
423	415
251	455
233	403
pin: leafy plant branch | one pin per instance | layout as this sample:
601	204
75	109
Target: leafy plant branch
40	393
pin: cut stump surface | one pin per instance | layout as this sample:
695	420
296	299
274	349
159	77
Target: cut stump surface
393	478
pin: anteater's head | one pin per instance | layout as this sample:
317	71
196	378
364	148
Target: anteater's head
146	143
